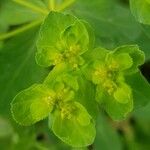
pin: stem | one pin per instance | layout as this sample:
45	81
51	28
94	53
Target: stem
51	4
20	30
65	5
34	23
31	6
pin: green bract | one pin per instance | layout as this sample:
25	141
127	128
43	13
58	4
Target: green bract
62	39
141	10
109	72
73	125
32	104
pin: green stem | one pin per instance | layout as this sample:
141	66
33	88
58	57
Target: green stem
65	5
34	23
31	6
20	30
52	4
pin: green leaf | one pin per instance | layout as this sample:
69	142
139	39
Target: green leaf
143	114
141	10
106	136
138	56
140	89
33	104
1	45
6	128
111	28
144	41
14	14
19	69
75	131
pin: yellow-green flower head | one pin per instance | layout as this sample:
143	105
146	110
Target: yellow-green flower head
108	71
62	39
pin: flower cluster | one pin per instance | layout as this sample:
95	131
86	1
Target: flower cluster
80	74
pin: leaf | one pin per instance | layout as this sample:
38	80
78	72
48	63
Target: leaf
141	10
143	114
106	136
18	67
3	26
32	105
6	128
144	41
111	27
1	45
12	13
140	89
74	131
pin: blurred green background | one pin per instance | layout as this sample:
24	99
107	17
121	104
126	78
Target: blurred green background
113	25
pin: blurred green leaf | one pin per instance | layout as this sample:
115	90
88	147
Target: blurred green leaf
18	67
143	113
12	13
111	27
6	128
141	10
140	89
107	138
